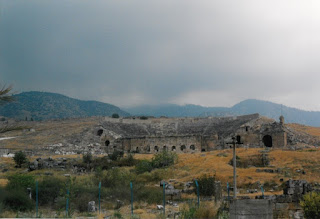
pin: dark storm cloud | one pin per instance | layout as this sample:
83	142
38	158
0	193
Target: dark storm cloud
133	52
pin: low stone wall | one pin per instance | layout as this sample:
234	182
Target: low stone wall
251	209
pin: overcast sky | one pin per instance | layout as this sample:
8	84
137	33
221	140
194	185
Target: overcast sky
131	52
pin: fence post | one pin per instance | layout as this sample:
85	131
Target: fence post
164	198
67	204
99	195
37	201
228	189
131	188
198	193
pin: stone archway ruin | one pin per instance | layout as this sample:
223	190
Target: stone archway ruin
182	147
192	147
173	148
267	141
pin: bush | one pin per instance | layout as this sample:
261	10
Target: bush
22	181
206	185
311	205
20	158
143	166
17	200
115	115
87	158
48	190
116	155
164	159
127	161
148	194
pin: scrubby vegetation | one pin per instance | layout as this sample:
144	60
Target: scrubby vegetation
311	205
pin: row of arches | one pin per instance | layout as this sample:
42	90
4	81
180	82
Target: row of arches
167	148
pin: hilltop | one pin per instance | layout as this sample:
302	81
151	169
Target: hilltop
250	106
45	105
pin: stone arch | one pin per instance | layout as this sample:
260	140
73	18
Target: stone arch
156	148
107	143
137	150
100	132
148	148
203	150
192	147
173	148
165	148
267	141
183	147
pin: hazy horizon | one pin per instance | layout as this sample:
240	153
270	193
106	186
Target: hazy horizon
208	53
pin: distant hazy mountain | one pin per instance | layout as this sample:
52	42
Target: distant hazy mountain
172	110
265	108
44	105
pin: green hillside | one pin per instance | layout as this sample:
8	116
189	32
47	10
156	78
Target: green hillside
44	105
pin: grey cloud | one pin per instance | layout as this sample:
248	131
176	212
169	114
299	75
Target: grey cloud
131	52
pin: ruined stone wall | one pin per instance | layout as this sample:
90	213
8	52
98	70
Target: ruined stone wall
179	144
187	135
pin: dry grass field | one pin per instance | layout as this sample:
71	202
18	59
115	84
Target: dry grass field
189	166
314	131
46	133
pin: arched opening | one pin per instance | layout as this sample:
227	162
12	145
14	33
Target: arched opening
238	139
203	150
106	143
137	150
173	148
182	147
156	148
164	148
192	147
267	141
99	132
148	148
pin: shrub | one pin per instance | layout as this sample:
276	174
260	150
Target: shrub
164	159
48	190
22	181
87	158
148	194
17	200
311	205
20	158
127	161
206	185
116	155
115	115
143	166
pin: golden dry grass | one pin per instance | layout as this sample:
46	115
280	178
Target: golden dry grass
314	131
46	133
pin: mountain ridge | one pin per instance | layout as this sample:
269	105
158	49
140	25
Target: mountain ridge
249	106
45	105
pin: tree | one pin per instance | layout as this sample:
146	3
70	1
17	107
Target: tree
311	205
20	158
5	95
115	115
